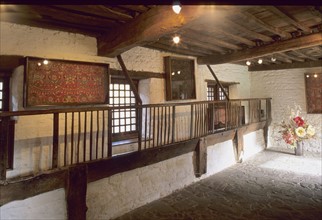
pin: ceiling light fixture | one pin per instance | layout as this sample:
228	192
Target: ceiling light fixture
176	7
273	59
260	61
45	62
307	76
248	63
315	75
176	39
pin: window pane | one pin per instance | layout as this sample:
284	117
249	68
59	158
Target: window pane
116	129
0	95
133	127
122	122
0	104
127	87
121	86
1	85
122	128
128	128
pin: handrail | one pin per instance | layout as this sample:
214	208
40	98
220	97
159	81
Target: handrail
107	107
85	133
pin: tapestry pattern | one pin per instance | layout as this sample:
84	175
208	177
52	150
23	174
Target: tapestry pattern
58	82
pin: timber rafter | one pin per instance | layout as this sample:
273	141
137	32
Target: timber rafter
277	47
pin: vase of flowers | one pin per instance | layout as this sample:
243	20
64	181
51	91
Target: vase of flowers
295	130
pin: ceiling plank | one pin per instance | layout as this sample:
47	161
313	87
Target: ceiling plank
300	54
254	20
211	40
185	45
277	47
98	10
149	26
243	29
291	57
285	16
201	44
297	65
166	48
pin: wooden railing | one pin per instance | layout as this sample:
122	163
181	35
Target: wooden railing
79	135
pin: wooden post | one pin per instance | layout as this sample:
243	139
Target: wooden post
238	142
109	132
268	121
55	140
76	187
201	157
4	128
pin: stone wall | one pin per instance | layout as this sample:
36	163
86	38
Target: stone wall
286	88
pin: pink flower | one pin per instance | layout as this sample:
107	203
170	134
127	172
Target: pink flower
299	121
289	137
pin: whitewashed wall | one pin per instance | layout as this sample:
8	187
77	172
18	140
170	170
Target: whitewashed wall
286	88
126	190
49	205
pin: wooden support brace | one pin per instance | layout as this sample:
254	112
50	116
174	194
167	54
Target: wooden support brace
201	157
238	142
76	187
4	128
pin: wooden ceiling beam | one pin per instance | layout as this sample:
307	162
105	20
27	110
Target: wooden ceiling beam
243	29
277	47
211	40
236	37
97	10
185	45
254	20
297	65
291	57
166	48
299	53
201	44
285	16
149	26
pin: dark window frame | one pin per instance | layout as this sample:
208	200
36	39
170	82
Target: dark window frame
128	121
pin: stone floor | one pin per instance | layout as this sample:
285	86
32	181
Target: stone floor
274	184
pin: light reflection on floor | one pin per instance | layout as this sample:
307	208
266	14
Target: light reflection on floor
309	163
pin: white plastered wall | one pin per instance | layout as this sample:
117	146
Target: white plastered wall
286	88
130	189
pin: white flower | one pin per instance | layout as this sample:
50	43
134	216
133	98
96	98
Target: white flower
300	132
310	130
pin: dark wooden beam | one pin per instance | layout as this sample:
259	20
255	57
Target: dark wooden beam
201	157
9	62
291	57
299	53
166	48
149	26
253	34
297	65
105	168
136	74
28	187
128	78
76	187
211	40
256	21
288	18
238	143
218	82
197	42
220	137
280	46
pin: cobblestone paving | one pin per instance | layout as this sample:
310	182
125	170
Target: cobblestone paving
274	184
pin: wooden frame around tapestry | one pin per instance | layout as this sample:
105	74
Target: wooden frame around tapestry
53	82
313	90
